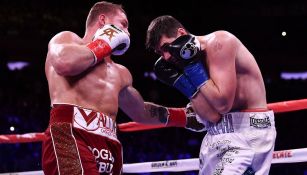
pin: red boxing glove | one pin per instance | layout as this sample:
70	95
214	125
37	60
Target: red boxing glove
185	117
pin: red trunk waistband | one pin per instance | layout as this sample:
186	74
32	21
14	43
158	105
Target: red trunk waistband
65	113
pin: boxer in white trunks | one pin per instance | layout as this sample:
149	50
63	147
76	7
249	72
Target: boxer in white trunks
224	83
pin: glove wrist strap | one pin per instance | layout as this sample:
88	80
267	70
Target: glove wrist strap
184	85
197	74
100	49
176	117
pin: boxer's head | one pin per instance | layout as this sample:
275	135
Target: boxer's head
163	31
107	13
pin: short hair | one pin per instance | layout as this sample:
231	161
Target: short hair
103	7
162	25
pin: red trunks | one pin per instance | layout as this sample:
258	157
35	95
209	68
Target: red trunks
81	142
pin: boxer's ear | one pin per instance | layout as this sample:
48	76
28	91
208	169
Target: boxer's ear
181	31
101	20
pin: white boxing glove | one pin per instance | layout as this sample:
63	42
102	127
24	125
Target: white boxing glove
109	40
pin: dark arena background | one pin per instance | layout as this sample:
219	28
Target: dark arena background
274	31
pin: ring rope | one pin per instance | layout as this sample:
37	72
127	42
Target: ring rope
284	156
277	107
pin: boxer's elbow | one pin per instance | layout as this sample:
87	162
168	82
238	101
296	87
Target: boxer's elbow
61	60
62	66
223	106
215	118
223	109
211	116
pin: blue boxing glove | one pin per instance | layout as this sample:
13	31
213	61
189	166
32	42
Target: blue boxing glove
170	75
186	55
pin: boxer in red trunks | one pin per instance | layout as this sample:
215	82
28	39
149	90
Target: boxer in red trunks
75	135
86	89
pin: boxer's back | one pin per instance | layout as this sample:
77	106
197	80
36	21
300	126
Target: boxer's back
250	89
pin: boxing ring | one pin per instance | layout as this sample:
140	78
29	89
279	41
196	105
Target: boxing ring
281	156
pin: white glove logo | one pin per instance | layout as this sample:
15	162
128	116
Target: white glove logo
109	32
190	49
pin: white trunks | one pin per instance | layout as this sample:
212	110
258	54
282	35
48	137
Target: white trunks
241	143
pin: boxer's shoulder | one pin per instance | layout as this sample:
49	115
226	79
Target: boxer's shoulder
125	75
66	36
122	69
220	42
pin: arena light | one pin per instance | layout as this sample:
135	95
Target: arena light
17	65
293	75
12	128
283	33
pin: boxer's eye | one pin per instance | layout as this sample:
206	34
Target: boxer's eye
164	47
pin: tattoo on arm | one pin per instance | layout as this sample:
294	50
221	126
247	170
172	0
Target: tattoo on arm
159	112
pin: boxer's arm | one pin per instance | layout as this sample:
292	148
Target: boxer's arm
204	109
68	56
220	90
130	100
132	104
149	113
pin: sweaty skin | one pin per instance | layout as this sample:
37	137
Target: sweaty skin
103	87
235	80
